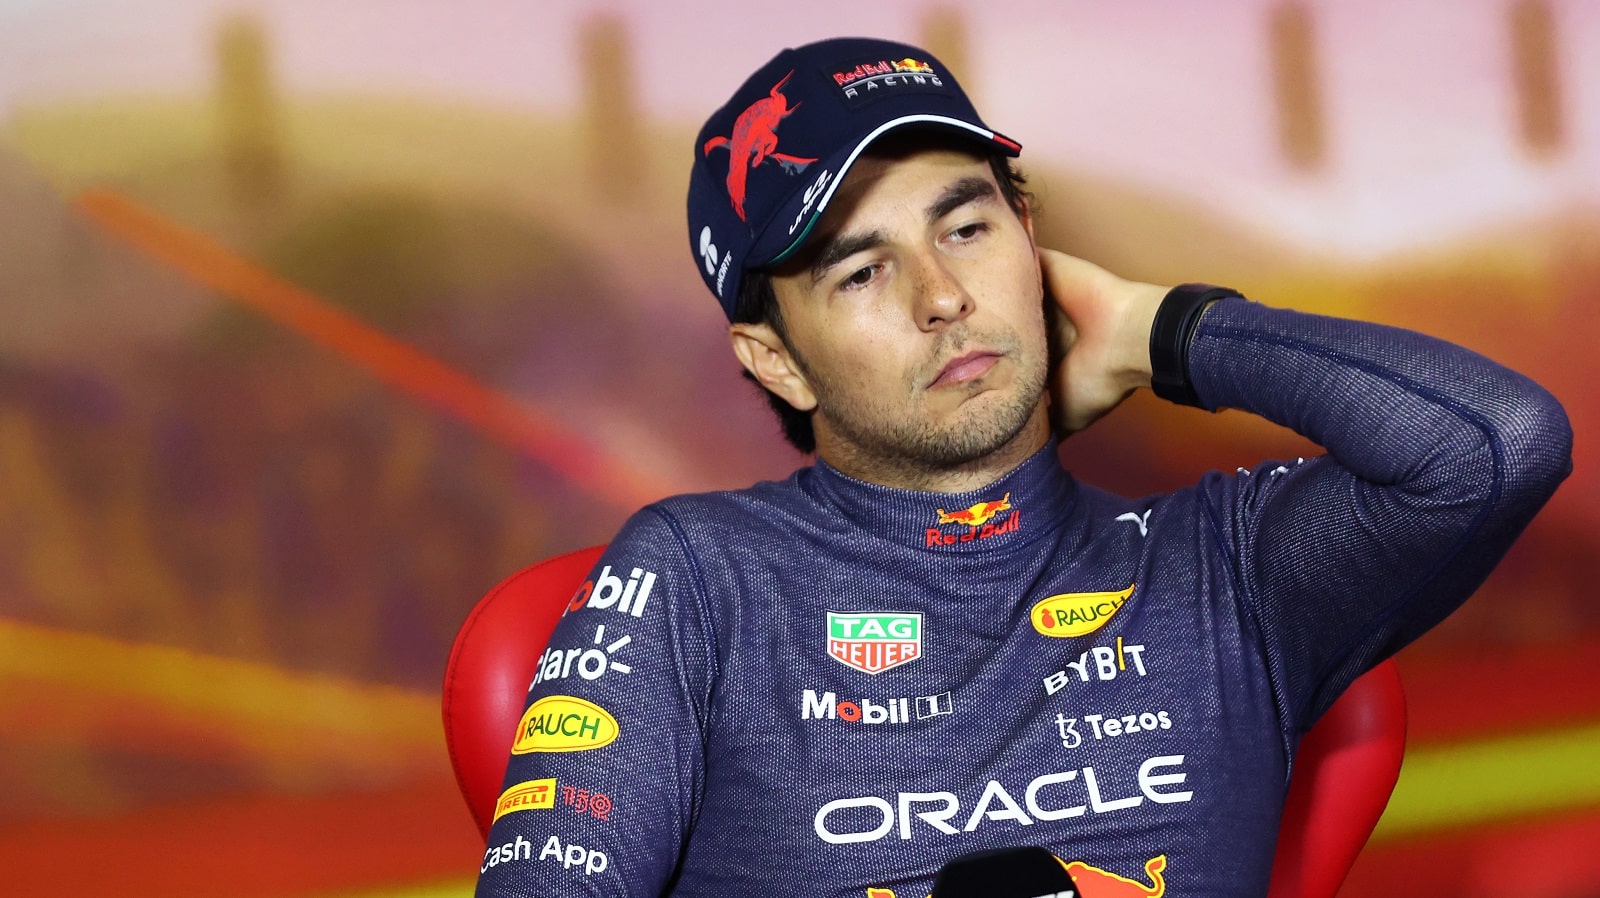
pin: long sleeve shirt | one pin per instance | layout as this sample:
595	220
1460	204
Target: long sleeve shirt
822	686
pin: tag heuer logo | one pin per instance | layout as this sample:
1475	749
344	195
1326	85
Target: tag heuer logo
874	641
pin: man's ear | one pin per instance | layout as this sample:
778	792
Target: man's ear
1025	214
764	355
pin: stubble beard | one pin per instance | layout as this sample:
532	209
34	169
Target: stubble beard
891	439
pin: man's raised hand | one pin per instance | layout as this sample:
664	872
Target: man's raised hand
1099	338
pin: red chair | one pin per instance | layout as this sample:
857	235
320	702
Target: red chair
1343	775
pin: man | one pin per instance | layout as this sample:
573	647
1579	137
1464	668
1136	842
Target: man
934	640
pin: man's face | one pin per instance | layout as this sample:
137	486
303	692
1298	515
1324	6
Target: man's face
915	322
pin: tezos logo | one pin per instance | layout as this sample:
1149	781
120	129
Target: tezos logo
874	641
564	723
608	590
827	706
1077	613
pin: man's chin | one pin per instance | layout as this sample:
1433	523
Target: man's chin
979	433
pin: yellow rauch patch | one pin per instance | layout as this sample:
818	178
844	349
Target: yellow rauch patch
564	723
1077	613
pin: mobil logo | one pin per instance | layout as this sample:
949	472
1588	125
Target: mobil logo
564	723
609	591
874	641
1077	613
904	709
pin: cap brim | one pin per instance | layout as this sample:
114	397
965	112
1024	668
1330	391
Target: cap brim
841	162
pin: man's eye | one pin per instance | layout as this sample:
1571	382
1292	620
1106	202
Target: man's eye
859	278
970	231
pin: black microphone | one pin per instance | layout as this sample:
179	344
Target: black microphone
1026	872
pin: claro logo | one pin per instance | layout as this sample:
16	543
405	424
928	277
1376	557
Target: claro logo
1077	613
564	723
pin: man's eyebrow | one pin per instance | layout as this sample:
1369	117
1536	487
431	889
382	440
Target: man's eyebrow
959	194
841	247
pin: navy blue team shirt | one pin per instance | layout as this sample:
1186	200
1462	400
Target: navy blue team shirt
824	687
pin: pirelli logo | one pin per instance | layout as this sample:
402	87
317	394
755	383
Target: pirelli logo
526	796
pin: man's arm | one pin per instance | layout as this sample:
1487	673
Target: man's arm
1438	458
605	771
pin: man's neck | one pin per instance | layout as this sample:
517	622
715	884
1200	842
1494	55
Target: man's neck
905	474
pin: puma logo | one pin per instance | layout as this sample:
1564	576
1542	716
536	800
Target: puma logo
1142	520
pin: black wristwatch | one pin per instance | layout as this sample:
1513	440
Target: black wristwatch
1170	335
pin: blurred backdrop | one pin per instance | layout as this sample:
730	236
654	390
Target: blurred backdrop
317	319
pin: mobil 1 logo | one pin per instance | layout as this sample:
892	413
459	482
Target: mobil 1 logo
901	709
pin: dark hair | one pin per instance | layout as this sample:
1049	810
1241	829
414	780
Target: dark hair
758	304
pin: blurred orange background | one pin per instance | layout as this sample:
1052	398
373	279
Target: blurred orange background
316	320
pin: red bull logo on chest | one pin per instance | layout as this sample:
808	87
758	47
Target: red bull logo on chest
874	641
1095	882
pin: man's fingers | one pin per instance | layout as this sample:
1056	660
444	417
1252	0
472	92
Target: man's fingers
1070	278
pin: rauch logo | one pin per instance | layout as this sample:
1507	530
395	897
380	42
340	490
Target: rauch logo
874	641
1077	613
564	723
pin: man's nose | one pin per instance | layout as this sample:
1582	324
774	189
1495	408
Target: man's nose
940	296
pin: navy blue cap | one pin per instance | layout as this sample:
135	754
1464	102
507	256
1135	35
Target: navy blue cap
766	164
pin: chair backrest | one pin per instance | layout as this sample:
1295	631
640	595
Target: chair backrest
1344	772
491	666
1343	775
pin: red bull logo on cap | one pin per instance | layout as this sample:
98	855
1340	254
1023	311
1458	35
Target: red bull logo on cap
866	78
978	518
874	641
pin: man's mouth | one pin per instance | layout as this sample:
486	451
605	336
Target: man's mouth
965	368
